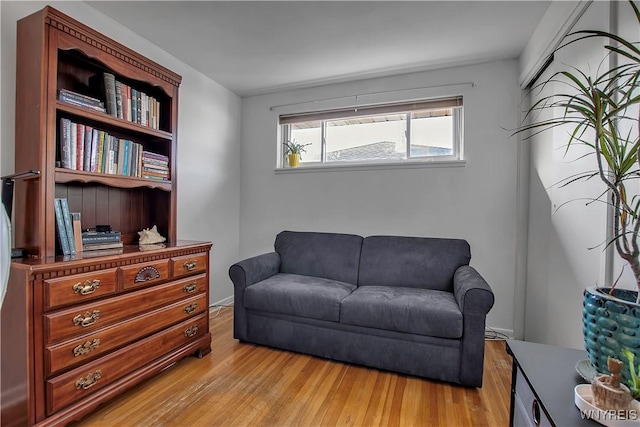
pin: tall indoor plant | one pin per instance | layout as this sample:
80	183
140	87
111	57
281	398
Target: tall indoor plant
601	110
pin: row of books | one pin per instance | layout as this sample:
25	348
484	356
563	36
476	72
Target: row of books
127	103
85	148
72	240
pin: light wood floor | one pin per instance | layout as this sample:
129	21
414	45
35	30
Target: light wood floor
246	385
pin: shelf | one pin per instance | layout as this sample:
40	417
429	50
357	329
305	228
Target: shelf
63	175
107	119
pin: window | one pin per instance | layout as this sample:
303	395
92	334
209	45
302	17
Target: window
393	133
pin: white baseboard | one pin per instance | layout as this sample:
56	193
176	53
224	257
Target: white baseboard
223	302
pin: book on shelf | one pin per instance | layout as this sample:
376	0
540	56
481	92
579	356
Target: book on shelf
73	145
125	157
116	155
93	160
118	87
88	136
155	171
99	246
102	252
64	205
126	102
65	143
155	164
143	109
80	148
100	152
120	159
155	156
110	93
61	230
133	160
139	107
155	177
151	174
134	105
77	228
108	155
90	237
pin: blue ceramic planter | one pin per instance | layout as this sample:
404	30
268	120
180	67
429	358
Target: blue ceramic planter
609	325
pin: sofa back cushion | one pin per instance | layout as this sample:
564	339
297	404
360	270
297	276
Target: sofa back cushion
414	262
328	255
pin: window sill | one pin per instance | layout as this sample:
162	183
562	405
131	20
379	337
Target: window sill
373	166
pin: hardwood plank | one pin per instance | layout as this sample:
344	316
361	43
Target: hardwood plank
244	384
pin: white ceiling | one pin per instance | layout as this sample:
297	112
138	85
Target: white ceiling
262	46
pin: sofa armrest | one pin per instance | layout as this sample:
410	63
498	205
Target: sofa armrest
253	270
472	292
246	273
475	299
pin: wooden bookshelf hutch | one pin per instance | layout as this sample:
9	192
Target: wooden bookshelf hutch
78	330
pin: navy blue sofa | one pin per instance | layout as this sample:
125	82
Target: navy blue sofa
405	304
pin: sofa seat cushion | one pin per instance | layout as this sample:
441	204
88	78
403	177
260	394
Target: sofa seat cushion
411	310
297	295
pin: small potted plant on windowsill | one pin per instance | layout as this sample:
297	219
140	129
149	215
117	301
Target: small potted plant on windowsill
294	152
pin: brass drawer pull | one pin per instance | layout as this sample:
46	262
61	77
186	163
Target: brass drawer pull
191	331
191	308
190	265
191	287
87	320
86	348
86	288
89	381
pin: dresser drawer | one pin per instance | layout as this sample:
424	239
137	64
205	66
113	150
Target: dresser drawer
528	410
81	382
78	288
145	274
88	317
189	264
74	351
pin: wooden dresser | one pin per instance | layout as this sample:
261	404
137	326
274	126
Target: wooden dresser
78	329
76	333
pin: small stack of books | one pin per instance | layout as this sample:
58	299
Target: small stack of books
81	100
99	240
155	166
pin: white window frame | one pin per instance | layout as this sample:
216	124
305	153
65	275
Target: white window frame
455	159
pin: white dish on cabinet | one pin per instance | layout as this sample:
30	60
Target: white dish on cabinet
583	399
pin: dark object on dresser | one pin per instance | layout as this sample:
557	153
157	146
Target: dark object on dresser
405	304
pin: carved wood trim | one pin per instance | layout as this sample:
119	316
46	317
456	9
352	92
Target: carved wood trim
107	46
133	258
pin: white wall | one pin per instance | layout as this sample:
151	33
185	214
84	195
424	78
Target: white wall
476	202
562	227
208	137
